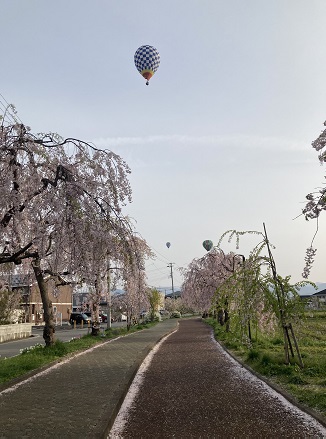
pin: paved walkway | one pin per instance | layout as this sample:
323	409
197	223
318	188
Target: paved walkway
80	397
193	389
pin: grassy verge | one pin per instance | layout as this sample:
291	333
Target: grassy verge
40	355
265	355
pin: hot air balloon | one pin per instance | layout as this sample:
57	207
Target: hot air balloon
147	61
168	244
207	244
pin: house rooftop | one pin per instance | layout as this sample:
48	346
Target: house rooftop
320	293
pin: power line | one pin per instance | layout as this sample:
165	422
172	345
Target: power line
157	268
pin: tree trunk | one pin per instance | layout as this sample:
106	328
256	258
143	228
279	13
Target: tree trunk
226	316
95	312
95	330
227	320
220	316
96	297
49	328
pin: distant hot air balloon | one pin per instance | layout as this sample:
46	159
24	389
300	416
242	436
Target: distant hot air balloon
207	244
147	61
168	244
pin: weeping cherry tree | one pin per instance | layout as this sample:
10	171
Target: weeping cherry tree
52	189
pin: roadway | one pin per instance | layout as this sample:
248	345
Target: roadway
64	333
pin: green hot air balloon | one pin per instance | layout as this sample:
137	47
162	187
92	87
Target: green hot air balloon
207	244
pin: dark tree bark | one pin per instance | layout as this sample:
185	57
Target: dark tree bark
220	317
49	328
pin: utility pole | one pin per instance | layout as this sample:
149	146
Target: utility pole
170	265
108	299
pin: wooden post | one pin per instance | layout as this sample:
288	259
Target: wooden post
286	348
289	340
296	346
249	329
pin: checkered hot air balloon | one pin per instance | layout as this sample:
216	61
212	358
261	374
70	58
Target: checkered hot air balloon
147	61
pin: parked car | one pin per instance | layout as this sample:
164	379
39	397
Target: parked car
89	314
175	315
122	318
79	317
104	317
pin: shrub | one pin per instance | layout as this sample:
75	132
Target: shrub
278	369
232	344
253	354
312	371
296	379
266	360
277	341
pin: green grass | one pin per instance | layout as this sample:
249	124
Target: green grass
40	355
265	355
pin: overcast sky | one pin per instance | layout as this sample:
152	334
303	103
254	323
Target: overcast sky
219	140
